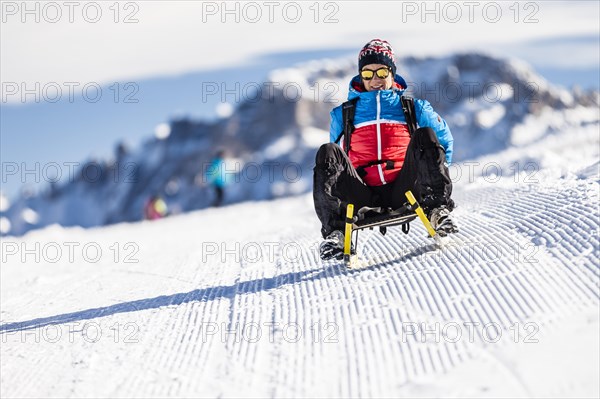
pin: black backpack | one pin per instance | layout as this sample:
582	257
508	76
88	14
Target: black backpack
349	107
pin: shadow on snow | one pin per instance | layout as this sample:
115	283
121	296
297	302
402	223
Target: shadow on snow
203	294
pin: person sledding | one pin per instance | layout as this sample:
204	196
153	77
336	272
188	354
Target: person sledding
376	159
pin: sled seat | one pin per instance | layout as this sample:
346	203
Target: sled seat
378	217
383	217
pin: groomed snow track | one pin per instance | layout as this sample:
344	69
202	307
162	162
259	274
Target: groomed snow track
214	310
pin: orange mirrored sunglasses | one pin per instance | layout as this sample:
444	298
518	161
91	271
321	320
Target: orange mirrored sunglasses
368	74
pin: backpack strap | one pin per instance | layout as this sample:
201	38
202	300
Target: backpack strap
348	109
408	106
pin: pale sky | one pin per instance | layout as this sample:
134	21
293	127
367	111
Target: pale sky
183	36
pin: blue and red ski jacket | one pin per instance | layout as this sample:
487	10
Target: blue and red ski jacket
381	136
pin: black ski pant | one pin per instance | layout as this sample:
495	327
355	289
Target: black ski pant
337	183
219	195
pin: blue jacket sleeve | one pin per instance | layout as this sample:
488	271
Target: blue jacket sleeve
336	124
427	117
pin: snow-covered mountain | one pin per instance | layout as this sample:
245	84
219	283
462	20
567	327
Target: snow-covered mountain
491	104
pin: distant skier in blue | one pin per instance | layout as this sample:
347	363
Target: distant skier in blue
215	176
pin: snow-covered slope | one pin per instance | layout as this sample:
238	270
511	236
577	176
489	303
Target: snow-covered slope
491	104
235	302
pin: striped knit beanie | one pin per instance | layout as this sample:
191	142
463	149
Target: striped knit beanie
377	51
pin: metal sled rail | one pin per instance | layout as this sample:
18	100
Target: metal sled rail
384	220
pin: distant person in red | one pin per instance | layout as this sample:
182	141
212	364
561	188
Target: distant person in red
155	208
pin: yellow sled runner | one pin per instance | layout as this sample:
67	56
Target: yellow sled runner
377	217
